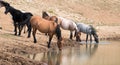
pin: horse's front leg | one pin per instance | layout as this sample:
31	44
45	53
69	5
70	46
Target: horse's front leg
24	29
90	38
15	28
86	38
71	34
50	38
78	35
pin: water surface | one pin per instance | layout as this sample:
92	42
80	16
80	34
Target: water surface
105	53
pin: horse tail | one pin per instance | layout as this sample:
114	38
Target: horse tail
58	32
94	34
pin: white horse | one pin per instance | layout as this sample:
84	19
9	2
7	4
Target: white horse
87	29
67	24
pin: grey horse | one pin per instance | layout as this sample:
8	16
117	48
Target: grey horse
88	30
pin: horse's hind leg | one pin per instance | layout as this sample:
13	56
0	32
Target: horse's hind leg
71	35
50	38
29	30
34	32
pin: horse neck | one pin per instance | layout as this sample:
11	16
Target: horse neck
13	11
75	26
60	19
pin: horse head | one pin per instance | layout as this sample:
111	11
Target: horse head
94	34
45	15
6	5
3	4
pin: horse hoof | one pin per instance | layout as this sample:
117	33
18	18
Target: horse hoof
28	37
19	34
15	34
70	38
35	41
48	46
60	49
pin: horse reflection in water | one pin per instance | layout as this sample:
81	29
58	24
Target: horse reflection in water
50	57
68	56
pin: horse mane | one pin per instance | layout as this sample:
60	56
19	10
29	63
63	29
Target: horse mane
93	30
44	14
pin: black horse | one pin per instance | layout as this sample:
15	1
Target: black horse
18	17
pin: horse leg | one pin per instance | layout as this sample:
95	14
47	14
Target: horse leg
71	35
20	27
78	36
29	30
90	38
24	29
50	38
86	38
46	34
34	32
15	28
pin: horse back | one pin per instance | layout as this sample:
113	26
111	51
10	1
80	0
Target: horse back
42	25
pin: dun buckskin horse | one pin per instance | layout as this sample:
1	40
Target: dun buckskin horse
46	26
88	30
18	17
64	23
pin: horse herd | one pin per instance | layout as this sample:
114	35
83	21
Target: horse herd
50	25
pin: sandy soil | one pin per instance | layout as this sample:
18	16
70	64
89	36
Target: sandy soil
12	47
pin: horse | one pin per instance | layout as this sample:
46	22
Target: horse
47	17
45	26
88	30
64	23
17	17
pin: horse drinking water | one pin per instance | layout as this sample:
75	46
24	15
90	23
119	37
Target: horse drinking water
46	26
18	17
87	29
64	23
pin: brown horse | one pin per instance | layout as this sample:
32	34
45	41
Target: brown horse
47	17
46	26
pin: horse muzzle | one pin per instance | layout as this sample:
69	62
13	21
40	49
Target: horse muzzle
5	12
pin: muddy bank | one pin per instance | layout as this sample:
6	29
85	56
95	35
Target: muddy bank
13	59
